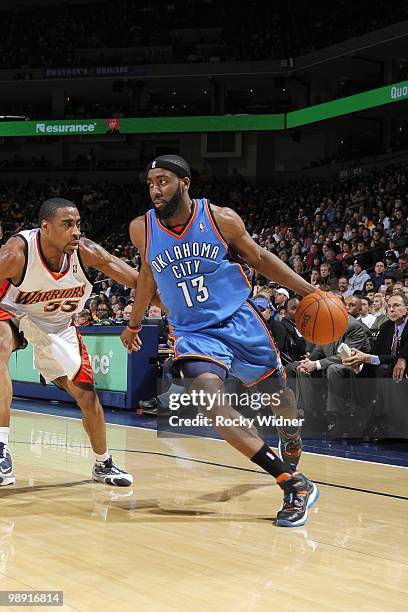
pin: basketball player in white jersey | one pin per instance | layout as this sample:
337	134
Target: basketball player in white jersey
42	284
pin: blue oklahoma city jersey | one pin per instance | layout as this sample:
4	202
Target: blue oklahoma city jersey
199	283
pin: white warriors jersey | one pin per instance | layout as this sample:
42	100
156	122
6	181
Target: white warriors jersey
47	298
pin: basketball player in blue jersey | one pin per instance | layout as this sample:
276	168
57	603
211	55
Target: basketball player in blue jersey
43	282
187	249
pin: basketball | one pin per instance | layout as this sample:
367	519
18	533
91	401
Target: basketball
321	317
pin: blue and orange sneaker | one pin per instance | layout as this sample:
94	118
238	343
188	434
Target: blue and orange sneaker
299	494
6	466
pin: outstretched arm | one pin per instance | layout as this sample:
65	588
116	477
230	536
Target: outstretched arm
146	289
235	234
93	255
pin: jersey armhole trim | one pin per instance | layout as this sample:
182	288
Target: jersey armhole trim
81	265
214	223
147	237
25	263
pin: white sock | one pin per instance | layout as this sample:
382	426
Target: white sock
102	458
4	435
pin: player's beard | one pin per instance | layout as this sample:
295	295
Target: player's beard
171	207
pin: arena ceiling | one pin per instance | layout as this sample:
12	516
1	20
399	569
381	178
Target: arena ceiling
7	5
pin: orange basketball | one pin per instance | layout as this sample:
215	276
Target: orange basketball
321	317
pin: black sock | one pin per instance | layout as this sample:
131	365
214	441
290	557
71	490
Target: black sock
268	461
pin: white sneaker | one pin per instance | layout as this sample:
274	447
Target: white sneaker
6	466
108	473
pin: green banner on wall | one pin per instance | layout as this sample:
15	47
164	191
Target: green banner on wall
149	125
395	92
351	104
108	359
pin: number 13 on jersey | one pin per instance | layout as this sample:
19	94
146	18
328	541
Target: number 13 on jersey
198	290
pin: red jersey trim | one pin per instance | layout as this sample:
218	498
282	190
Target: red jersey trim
187	227
55	275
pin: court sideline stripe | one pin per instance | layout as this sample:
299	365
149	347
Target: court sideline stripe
61	416
241	469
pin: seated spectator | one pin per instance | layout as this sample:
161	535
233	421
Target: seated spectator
343	287
84	318
295	344
402	268
154	312
119	315
390	262
127	311
325	361
298	268
360	276
264	305
104	298
389	282
397	287
280	297
117	303
345	252
336	267
315	278
400	237
379	310
313	251
368	286
269	314
93	304
364	258
378	275
365	316
327	278
104	314
378	241
389	357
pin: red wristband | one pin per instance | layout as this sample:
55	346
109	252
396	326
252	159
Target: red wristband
134	330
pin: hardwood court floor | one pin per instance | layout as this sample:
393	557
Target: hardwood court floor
196	531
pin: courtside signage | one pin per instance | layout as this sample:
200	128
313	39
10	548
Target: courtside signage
108	360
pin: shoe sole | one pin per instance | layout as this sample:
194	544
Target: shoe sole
311	501
291	460
115	481
8	480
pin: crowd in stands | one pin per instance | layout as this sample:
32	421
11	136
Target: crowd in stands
47	36
349	237
100	205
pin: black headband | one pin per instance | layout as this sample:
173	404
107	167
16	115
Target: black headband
174	163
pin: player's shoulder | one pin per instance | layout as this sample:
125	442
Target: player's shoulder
229	223
223	213
15	246
138	223
137	231
13	257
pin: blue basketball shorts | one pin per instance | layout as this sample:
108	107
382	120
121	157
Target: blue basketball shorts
242	344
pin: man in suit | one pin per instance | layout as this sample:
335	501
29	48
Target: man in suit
295	344
324	361
388	360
